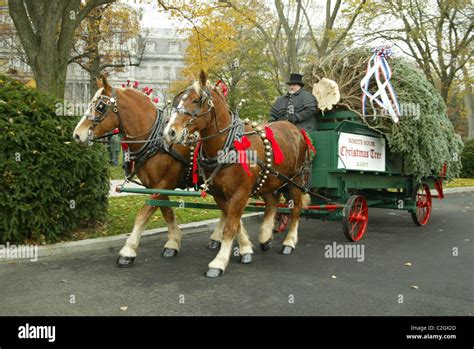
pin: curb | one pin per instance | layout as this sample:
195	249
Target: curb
65	248
457	190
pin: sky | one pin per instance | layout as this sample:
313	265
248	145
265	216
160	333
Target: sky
155	18
158	19
152	17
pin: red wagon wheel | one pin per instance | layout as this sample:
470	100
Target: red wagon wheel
355	218
281	222
422	196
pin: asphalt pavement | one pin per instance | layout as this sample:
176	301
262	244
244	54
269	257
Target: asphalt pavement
406	270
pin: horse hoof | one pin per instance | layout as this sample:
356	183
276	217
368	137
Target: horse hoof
286	250
125	262
214	272
246	258
265	246
169	252
214	245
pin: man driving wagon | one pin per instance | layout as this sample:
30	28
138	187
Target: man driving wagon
299	107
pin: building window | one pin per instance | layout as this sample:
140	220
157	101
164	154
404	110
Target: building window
174	47
150	47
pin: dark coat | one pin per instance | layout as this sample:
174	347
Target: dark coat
299	108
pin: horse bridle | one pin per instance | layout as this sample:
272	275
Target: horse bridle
103	105
206	95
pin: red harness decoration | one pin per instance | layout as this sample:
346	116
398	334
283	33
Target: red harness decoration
223	87
241	148
277	153
195	163
308	141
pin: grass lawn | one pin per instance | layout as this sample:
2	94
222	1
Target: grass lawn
460	182
122	211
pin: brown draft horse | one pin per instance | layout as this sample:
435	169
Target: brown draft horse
134	114
203	110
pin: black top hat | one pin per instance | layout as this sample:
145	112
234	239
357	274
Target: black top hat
296	79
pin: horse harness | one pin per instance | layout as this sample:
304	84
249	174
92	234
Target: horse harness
154	143
236	130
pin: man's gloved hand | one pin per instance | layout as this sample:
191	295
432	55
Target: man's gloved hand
292	118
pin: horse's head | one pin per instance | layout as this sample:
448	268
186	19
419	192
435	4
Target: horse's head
193	111
100	116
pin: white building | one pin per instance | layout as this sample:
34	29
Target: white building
162	61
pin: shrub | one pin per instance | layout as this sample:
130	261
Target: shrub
49	185
467	159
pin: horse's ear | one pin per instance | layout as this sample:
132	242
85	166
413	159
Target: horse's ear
98	82
106	86
202	78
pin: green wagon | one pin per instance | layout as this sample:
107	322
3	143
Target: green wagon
352	171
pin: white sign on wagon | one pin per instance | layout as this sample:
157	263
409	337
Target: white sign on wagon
364	153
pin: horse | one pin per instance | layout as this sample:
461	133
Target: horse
201	109
133	113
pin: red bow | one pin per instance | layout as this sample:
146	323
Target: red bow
277	153
195	163
241	148
223	87
308	141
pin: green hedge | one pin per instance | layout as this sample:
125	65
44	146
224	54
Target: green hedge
468	160
49	185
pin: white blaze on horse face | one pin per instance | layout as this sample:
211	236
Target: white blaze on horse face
81	132
90	110
168	127
173	120
82	137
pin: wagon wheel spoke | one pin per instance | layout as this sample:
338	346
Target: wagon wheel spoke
359	213
423	204
355	218
353	229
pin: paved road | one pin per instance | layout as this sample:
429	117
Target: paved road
156	286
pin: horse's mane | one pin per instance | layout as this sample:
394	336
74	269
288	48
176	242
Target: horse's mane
197	87
139	93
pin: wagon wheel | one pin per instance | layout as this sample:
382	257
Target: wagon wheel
422	196
355	218
281	222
